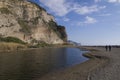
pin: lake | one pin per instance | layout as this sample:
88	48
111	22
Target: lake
34	63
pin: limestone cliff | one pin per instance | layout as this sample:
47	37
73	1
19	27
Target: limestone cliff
29	22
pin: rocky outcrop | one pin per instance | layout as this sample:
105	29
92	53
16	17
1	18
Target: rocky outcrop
29	22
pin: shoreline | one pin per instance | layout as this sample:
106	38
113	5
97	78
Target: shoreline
80	71
104	60
27	48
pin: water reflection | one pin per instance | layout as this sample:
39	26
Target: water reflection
27	65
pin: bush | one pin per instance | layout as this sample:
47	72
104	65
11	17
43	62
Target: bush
11	39
53	25
5	11
40	44
24	25
59	30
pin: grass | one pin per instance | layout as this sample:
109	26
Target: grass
5	46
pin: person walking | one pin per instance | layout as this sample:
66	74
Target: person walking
106	47
109	47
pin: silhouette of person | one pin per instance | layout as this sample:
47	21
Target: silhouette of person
109	48
106	47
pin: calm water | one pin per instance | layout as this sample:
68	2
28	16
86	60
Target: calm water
31	64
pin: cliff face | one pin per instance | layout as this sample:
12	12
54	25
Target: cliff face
29	22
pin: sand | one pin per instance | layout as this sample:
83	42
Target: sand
101	66
110	71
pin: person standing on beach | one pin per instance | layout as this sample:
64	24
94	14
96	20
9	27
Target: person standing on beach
106	47
109	48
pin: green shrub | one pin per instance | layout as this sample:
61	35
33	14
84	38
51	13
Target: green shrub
40	44
11	39
4	10
53	25
59	30
36	20
24	25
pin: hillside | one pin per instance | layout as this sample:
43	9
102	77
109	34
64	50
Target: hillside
29	22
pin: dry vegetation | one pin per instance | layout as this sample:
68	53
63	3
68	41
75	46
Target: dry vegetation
4	46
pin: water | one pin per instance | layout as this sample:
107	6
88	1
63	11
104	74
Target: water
31	64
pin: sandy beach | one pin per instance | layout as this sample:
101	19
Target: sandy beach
101	66
111	71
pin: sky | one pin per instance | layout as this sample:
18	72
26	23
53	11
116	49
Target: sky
89	22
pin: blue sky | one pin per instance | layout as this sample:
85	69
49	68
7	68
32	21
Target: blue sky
89	22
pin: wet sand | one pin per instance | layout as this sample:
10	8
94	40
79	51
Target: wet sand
101	66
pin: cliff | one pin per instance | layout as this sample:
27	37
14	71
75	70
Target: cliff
29	22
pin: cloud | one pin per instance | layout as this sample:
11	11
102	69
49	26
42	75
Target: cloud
107	14
63	7
114	1
88	9
63	19
85	9
90	20
110	1
59	7
96	1
66	19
